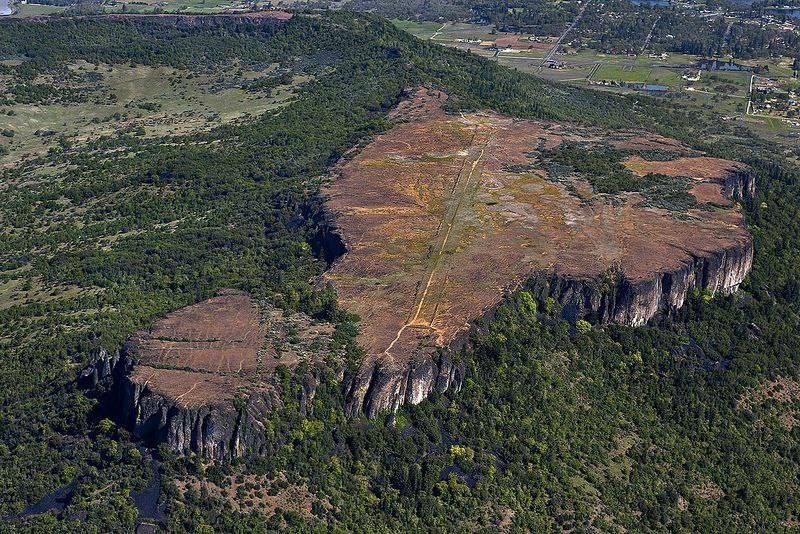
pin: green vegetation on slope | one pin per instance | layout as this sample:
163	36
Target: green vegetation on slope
102	236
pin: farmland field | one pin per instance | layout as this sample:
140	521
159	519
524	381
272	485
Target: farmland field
423	29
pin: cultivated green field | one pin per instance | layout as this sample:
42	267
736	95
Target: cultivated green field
423	30
623	73
31	10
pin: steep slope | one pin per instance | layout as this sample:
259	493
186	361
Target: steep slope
203	378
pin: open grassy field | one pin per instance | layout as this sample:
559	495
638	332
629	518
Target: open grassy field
623	73
195	6
461	30
31	10
155	101
421	29
148	6
448	32
719	94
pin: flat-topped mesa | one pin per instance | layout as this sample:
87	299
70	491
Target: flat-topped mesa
444	214
202	379
270	17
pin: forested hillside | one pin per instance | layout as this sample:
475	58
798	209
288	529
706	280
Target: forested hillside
662	427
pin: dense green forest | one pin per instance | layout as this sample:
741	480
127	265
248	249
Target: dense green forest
621	27
615	427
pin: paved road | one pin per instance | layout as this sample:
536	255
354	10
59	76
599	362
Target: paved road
650	35
553	50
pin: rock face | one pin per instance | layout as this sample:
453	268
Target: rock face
634	303
444	215
387	386
218	429
426	230
202	379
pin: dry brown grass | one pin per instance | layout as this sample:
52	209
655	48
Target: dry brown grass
207	353
784	392
440	222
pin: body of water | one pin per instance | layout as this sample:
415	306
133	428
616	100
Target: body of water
650	87
5	9
791	12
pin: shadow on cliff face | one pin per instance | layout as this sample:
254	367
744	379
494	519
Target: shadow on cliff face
101	381
325	239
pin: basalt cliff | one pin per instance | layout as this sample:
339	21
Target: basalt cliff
426	230
203	378
445	214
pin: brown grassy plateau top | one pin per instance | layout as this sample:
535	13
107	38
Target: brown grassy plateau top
445	213
208	352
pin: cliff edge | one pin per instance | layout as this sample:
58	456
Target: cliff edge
203	378
444	214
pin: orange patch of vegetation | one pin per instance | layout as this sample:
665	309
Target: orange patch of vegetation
223	333
708	491
781	389
784	391
188	388
463	214
707	173
699	168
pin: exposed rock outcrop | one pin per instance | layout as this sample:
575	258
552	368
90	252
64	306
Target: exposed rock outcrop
739	184
425	231
202	379
619	300
385	386
220	429
444	215
224	429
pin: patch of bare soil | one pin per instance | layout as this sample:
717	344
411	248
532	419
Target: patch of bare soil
252	493
708	491
778	397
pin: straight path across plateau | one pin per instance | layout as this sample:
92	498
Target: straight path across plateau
447	235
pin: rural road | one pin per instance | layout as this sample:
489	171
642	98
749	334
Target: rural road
553	50
650	35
